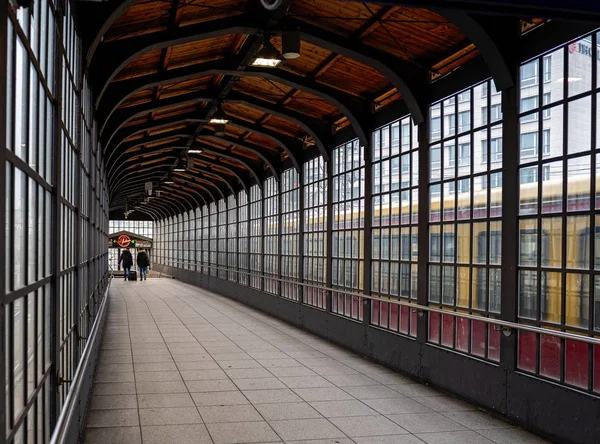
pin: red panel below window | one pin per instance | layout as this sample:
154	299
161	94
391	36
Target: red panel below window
478	339
527	356
448	330
375	312
550	356
576	363
385	306
462	334
434	328
413	323
404	312
597	368
394	317
494	343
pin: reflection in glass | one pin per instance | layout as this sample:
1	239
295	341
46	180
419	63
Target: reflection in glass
579	183
551	300
579	58
463	279
528	294
578	245
528	191
464	243
528	243
580	125
552	186
552	242
479	288
578	300
448	291
495	290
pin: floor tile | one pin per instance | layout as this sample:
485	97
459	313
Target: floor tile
389	439
219	398
242	432
477	420
112	402
114	377
203	375
466	437
161	387
112	418
197	365
259	383
146	401
247	373
241	364
112	435
157	376
294	382
156	367
426	422
230	413
169	415
444	403
282	372
367	426
331	409
122	388
292	410
512	436
372	392
323	394
179	434
271	396
305	429
115	368
220	385
391	406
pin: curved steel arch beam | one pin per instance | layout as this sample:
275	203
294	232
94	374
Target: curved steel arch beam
216	175
293	147
125	133
270	159
251	165
244	182
197	181
356	110
320	131
164	153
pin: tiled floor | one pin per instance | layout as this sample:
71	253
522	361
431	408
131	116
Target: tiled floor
182	365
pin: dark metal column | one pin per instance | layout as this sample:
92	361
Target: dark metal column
3	246
368	241
510	211
423	258
280	286
56	220
329	250
301	227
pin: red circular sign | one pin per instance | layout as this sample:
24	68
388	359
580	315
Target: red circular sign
124	240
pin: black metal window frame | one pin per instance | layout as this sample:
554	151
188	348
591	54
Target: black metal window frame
290	232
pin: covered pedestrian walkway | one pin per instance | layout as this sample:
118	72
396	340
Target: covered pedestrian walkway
179	364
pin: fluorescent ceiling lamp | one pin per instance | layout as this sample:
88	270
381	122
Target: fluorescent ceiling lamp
219	121
267	57
194	151
219	117
169	182
178	169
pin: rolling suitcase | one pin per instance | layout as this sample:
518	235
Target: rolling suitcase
132	275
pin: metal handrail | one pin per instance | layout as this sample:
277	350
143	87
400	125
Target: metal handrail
507	326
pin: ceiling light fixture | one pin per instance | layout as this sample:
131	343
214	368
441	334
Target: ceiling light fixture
268	56
219	116
290	44
169	182
194	151
178	169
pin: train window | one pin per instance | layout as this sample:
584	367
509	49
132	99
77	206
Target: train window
578	253
528	294
578	183
528	245
434	244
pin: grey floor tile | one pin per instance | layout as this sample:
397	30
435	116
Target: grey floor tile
357	426
512	436
161	387
167	366
357	380
163	357
115	368
114	377
259	383
292	410
390	439
305	429
282	372
112	435
444	403
334	370
331	409
203	375
316	381
477	420
219	385
168	376
426	422
198	365
219	398
111	402
114	360
372	392
467	437
269	363
242	432
247	373
323	441
122	388
414	390
229	413
112	418
271	396
391	406
323	394
241	364
170	415
179	434
147	401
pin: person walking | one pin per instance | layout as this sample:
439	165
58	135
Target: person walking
127	260
143	262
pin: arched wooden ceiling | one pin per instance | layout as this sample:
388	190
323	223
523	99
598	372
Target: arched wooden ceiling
160	68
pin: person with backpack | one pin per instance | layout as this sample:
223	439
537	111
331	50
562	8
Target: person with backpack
143	262
127	260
